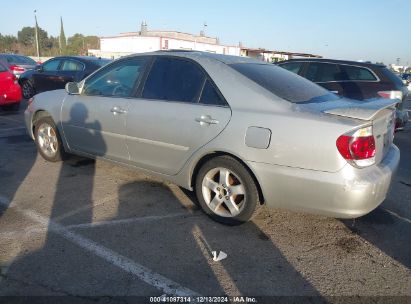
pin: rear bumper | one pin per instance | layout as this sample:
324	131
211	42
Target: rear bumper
11	96
348	193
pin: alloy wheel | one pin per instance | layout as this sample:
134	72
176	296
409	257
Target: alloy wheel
224	192
47	139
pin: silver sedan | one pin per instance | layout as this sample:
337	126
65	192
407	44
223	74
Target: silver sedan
239	132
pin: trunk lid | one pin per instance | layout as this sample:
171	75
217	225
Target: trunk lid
378	112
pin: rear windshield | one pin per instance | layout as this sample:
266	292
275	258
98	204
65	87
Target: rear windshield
391	76
15	59
283	83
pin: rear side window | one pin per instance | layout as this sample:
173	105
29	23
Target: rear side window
71	65
174	80
323	72
284	84
357	73
294	67
210	95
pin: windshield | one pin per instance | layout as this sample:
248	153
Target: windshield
283	83
101	62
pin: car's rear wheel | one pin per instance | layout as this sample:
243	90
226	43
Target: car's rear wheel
27	88
48	140
226	191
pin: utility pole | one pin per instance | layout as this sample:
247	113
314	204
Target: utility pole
37	37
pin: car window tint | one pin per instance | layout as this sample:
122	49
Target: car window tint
174	80
283	83
357	73
51	65
15	59
3	68
391	76
294	67
210	95
71	65
115	80
323	72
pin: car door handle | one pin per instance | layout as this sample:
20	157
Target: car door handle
118	110
206	119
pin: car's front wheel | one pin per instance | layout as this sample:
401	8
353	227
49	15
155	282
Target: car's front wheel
48	140
226	191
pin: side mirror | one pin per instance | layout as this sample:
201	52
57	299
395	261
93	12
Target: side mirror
72	88
39	68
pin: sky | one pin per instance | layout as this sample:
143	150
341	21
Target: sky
375	30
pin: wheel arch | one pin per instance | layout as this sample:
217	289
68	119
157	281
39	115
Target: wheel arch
214	154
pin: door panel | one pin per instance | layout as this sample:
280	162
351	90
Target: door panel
91	125
162	135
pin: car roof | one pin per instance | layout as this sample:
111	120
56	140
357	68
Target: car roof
227	59
81	58
336	61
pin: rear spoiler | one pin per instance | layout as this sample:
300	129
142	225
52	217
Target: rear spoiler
365	110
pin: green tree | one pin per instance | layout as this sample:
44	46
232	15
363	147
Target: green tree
62	38
26	37
79	44
8	43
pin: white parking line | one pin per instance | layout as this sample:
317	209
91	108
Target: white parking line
126	221
146	275
397	215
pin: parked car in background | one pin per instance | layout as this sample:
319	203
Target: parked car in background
354	80
56	72
406	77
17	64
10	91
238	131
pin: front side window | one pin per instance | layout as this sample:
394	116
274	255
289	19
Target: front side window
323	72
71	65
119	79
174	80
294	67
51	65
358	74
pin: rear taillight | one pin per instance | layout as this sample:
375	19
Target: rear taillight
15	79
16	69
391	94
358	148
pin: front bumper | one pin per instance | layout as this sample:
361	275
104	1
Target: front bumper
28	119
348	193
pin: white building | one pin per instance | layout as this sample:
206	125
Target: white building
149	41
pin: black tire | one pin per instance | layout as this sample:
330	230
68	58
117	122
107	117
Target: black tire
27	89
56	152
12	107
248	204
